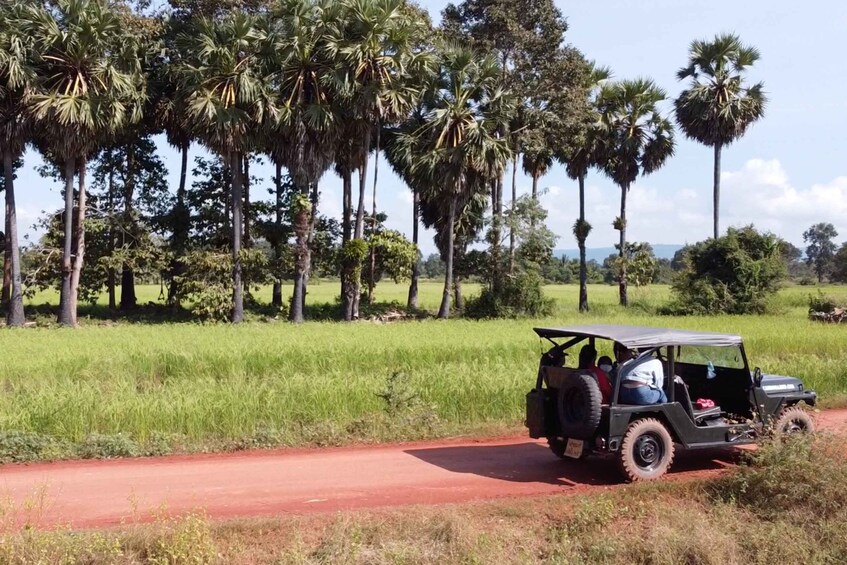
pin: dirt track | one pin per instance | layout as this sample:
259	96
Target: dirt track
84	494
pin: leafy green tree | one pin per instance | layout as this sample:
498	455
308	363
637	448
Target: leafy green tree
223	70
734	274
718	107
641	264
545	76
839	271
128	181
821	248
16	84
634	139
89	86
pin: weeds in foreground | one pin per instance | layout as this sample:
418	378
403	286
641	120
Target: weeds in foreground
785	504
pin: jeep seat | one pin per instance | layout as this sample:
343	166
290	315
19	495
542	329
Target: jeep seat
681	395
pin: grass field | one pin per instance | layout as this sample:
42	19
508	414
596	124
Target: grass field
128	389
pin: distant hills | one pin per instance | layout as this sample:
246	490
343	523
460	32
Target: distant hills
662	251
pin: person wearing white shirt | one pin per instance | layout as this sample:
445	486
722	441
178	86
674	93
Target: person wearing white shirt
642	381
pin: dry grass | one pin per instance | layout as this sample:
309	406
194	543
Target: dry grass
786	505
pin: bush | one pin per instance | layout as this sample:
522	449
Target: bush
520	295
734	274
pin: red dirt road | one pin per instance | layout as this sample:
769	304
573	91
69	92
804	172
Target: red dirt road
85	494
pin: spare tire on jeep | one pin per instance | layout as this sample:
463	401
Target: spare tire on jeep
578	406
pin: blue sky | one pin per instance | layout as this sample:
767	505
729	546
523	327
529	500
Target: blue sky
788	172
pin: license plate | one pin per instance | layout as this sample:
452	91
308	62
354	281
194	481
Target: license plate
574	448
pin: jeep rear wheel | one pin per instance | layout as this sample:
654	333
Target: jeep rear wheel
647	450
578	405
794	420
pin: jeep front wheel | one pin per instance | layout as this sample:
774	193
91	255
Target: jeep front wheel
647	450
794	420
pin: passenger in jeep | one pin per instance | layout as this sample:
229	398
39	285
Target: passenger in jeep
587	360
642	381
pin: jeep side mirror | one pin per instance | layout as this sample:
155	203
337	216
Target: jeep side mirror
757	377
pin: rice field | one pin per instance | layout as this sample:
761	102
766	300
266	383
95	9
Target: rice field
187	386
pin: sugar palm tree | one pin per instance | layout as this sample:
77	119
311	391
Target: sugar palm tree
717	107
308	87
634	139
376	53
228	96
88	86
582	155
458	140
16	80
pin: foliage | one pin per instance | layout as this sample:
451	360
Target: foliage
820	253
839	273
718	107
641	264
822	304
734	274
521	296
395	254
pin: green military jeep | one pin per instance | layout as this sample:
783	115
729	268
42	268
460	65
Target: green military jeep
740	405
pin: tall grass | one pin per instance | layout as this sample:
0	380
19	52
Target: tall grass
197	386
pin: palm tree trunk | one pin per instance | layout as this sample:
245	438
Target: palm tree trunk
302	221
583	268
80	241
360	215
180	228
310	240
237	225
623	260
457	291
128	299
717	194
444	310
347	284
276	299
497	234
412	303
372	277
66	317
15	313
512	227
245	179
110	194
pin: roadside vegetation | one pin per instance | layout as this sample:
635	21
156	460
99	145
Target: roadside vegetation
115	390
786	503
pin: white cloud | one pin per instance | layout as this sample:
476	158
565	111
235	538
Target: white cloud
759	193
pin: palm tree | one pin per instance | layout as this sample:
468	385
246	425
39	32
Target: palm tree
578	160
634	139
16	78
88	87
376	51
717	108
459	141
308	88
223	71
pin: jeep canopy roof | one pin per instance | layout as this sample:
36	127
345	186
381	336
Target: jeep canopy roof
634	337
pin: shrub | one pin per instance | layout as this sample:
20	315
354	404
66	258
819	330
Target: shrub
520	295
734	274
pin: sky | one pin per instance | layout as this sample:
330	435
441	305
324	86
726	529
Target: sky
787	173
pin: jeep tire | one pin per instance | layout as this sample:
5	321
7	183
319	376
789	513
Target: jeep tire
578	406
647	450
793	420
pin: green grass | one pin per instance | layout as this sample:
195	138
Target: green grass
127	389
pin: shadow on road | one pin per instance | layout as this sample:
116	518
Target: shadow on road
532	462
